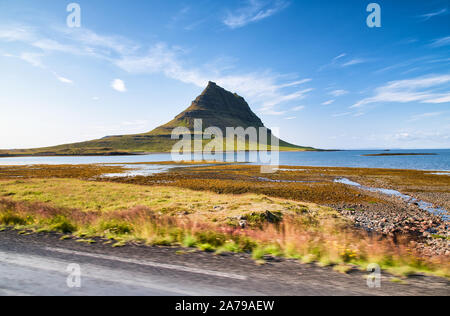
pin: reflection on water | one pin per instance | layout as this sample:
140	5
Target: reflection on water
409	199
143	170
137	170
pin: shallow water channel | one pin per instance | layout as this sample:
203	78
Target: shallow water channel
407	198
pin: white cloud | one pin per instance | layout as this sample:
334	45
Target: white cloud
95	99
342	114
63	80
357	114
341	61
102	43
339	56
285	98
290	118
426	17
161	59
443	98
352	62
254	11
48	45
262	88
36	60
33	59
410	136
298	108
295	83
76	41
328	102
16	33
338	93
440	42
118	85
422	116
410	90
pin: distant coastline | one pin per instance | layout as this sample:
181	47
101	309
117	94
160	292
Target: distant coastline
400	154
126	153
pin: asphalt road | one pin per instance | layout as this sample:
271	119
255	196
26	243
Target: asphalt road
42	264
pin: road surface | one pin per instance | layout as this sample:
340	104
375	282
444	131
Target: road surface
42	264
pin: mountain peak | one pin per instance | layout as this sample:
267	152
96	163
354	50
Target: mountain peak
216	107
211	88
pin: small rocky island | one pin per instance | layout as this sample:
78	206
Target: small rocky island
400	154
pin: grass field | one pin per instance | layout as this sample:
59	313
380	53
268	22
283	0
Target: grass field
63	199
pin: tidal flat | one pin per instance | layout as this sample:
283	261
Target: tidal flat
297	212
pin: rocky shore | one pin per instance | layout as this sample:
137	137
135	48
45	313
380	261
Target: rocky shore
396	217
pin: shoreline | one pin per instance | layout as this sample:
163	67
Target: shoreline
441	172
148	153
325	159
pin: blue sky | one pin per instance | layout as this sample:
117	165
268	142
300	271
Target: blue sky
312	68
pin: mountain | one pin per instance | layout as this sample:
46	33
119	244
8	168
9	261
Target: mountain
215	106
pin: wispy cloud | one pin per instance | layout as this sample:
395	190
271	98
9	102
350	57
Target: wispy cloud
407	41
290	118
426	17
424	63
338	93
298	108
254	11
189	17
440	42
423	116
339	56
354	114
48	45
411	136
16	33
63	79
33	59
342	61
119	85
262	88
180	14
355	61
294	83
342	114
285	98
410	90
328	102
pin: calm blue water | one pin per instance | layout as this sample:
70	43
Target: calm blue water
351	158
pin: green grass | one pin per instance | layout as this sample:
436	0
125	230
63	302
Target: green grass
123	213
126	145
10	219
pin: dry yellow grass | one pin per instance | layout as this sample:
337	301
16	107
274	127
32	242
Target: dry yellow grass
170	215
108	197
